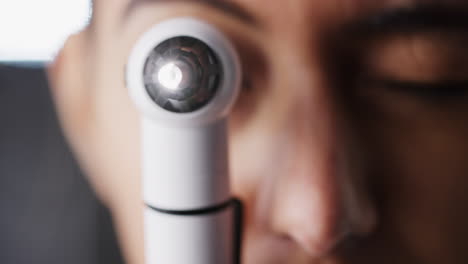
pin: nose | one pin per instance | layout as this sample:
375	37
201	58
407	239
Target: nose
319	198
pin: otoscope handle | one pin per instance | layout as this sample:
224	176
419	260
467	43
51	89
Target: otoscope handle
205	236
190	216
185	168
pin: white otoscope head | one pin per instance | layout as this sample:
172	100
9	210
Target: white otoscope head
184	77
183	72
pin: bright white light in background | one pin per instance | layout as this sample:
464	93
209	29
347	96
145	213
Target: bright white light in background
34	30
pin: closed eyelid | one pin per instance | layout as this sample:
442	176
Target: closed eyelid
425	57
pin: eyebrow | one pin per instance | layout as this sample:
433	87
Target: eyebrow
414	20
225	6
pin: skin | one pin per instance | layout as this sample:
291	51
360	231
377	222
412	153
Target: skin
331	169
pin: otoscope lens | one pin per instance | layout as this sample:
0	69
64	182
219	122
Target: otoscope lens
182	74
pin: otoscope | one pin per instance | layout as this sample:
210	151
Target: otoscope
184	76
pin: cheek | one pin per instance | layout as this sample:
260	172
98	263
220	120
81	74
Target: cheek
426	153
420	168
250	155
255	147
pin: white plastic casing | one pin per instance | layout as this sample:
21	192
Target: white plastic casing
185	163
184	157
200	239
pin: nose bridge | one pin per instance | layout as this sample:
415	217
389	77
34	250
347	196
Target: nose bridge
310	197
310	117
310	207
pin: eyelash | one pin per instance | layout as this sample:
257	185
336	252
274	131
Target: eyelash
434	92
443	91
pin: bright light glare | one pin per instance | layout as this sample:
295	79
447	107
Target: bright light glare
170	76
35	30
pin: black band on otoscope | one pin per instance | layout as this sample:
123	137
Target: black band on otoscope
201	211
238	221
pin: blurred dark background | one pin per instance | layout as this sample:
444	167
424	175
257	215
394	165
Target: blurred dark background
48	212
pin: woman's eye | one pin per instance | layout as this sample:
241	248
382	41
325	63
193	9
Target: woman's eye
431	66
436	92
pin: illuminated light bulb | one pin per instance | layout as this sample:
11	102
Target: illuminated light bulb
170	76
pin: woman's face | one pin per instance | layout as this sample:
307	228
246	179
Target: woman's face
347	144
